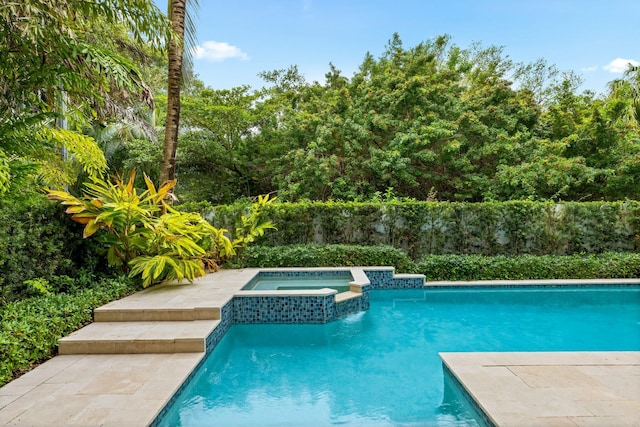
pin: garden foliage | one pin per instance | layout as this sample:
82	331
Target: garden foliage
37	241
422	228
145	237
31	328
434	121
609	265
312	255
449	267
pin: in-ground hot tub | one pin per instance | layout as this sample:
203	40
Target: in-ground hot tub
314	295
302	295
300	280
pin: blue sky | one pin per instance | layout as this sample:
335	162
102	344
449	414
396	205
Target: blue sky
239	38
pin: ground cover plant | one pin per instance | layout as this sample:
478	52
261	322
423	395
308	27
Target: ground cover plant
31	327
38	241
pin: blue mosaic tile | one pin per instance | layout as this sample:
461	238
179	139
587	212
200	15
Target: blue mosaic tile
380	279
407	283
384	279
282	309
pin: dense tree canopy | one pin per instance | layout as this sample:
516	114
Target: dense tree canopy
433	121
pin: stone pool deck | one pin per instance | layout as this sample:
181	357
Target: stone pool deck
170	324
586	389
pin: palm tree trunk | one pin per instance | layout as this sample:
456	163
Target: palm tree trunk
177	10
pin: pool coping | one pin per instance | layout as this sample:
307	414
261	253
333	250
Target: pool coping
132	389
550	388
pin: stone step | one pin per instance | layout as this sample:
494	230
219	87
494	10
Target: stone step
139	337
115	313
345	296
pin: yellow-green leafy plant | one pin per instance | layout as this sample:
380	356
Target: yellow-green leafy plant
249	227
142	234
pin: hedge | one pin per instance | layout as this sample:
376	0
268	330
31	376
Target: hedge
523	267
31	328
448	267
324	256
433	228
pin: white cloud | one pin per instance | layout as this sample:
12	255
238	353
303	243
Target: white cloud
212	50
590	69
619	65
307	5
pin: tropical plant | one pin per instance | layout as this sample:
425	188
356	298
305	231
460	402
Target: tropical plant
249	227
53	75
146	237
143	235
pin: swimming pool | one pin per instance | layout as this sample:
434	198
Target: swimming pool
381	367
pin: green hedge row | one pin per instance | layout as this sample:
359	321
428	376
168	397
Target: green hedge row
475	267
324	256
426	228
30	328
448	267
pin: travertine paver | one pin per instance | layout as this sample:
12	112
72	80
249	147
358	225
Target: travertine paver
95	390
552	389
139	337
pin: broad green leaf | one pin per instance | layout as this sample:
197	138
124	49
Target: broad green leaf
90	229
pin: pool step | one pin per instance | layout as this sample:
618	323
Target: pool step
115	313
139	337
345	296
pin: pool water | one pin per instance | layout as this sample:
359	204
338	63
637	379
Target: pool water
381	367
339	282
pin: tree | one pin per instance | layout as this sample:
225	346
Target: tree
221	145
47	56
178	53
433	116
628	88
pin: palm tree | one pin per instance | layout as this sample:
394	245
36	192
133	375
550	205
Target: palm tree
628	87
633	75
179	57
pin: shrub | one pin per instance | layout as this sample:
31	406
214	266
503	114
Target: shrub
447	267
148	238
325	256
476	267
30	328
37	240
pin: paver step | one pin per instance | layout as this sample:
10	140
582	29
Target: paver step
138	337
345	296
113	313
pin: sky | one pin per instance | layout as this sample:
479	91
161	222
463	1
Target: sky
237	39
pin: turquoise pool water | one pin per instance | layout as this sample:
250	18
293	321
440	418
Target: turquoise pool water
381	367
338	281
